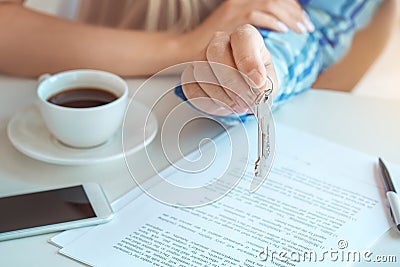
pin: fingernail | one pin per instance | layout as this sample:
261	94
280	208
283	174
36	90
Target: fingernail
307	21
282	26
301	27
256	77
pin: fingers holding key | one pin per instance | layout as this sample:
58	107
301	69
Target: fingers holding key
203	92
235	71
206	79
253	59
219	55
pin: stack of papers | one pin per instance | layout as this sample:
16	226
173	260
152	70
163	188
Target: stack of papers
319	197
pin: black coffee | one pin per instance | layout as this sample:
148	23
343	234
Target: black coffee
82	97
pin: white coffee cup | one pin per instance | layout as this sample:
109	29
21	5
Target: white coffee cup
82	127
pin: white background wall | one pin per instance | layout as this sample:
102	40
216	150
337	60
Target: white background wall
383	79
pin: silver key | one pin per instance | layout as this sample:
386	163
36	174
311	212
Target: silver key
262	112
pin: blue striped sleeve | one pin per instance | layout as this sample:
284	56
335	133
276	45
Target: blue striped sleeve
299	58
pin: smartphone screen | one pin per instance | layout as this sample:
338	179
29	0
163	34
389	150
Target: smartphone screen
44	208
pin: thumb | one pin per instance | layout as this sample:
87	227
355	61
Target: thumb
247	46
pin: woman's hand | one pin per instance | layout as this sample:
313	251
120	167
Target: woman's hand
233	63
276	15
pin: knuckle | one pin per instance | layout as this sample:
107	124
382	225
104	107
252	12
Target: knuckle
245	28
273	20
243	31
228	82
215	49
217	34
232	86
251	16
273	5
246	61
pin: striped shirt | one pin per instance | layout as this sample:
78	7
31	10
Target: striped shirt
299	58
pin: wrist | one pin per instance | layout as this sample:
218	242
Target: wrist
193	43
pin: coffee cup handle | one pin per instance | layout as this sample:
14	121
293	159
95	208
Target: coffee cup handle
44	77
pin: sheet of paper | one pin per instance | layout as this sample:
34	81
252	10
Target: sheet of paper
318	197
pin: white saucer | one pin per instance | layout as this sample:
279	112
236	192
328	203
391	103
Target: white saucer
28	133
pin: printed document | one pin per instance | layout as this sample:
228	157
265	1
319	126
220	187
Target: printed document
318	198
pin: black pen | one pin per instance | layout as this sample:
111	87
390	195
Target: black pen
391	194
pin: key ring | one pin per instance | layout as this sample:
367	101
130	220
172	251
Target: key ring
263	95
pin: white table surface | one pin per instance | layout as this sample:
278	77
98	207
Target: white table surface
366	124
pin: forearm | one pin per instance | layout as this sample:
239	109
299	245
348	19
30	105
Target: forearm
33	43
